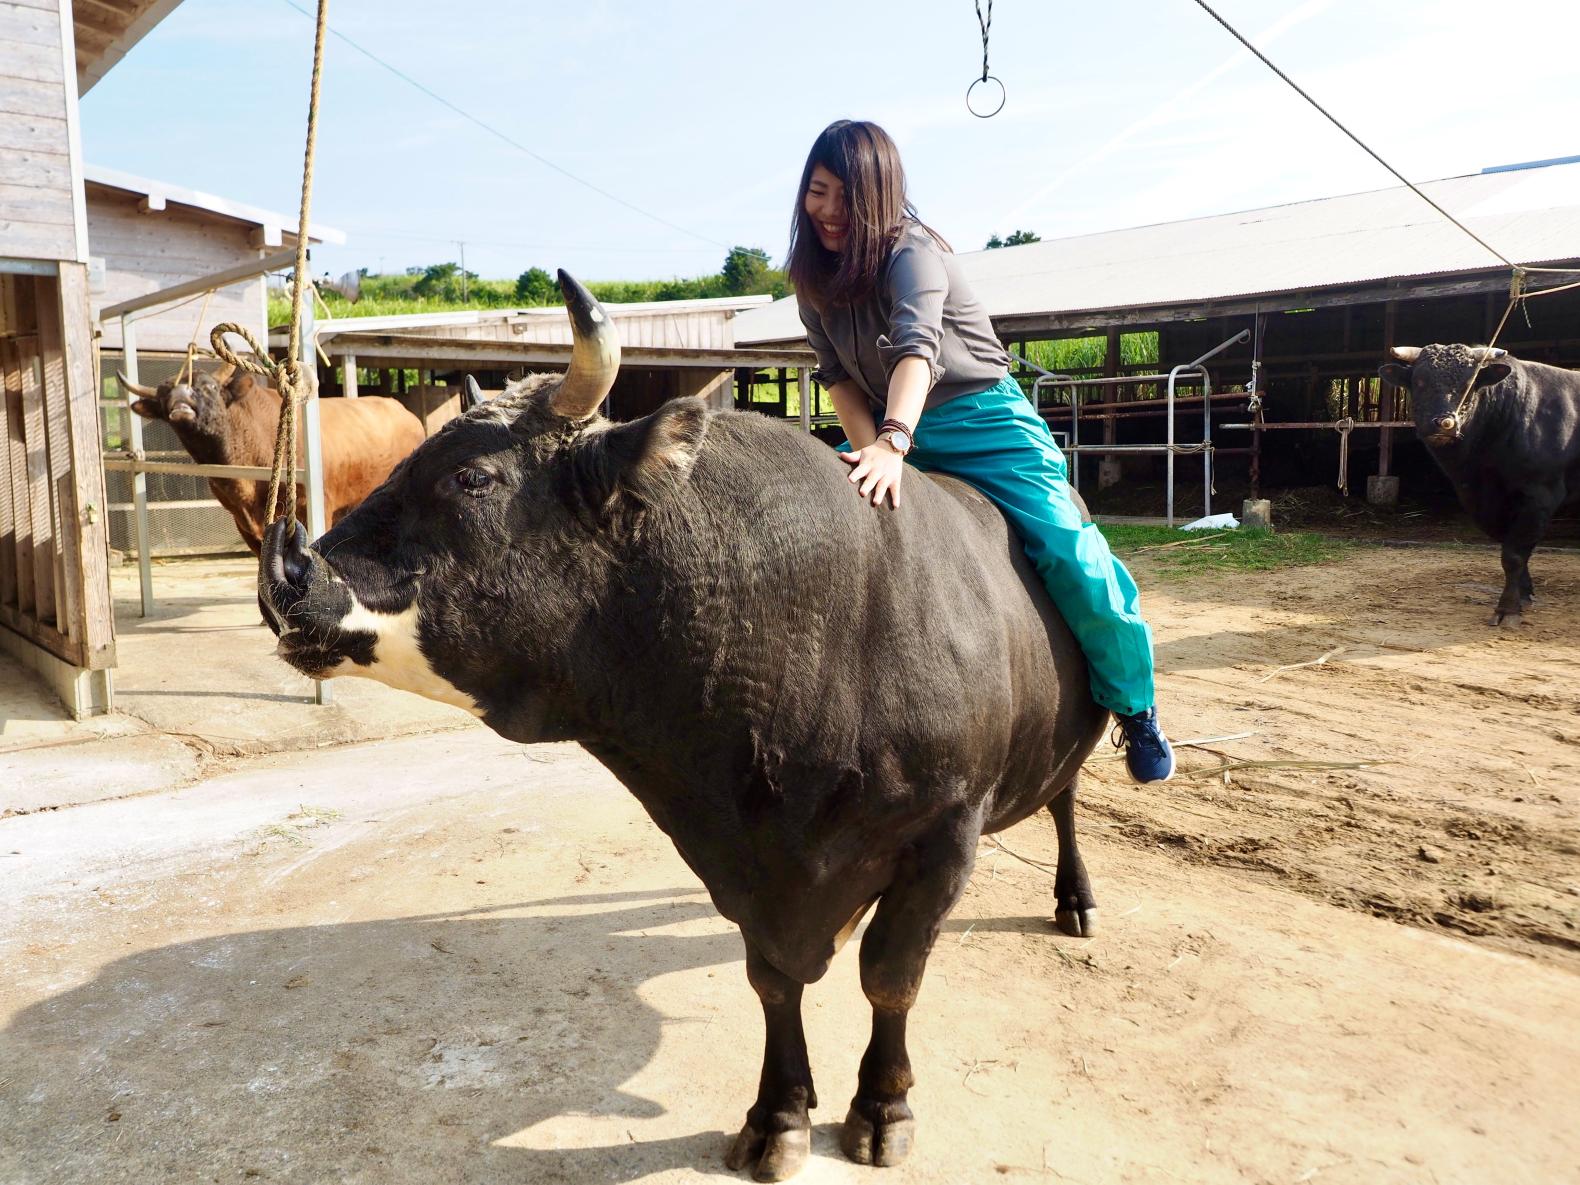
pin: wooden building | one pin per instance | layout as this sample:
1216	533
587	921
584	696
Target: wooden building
54	581
668	349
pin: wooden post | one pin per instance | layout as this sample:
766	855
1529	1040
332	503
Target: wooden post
804	384
90	519
348	364
1390	397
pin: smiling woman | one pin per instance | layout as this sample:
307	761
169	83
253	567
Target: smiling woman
918	375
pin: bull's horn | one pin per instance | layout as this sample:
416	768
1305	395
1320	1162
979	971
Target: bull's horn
595	357
135	388
474	395
1406	354
1487	354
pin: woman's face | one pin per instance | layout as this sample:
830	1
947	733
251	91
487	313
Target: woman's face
825	205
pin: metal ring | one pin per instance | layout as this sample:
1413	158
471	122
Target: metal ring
1002	95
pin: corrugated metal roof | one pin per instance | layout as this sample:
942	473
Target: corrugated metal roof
1532	216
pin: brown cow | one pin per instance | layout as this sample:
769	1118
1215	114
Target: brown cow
230	418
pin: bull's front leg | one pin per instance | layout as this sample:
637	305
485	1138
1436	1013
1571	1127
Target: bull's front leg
777	1135
879	1127
1526	525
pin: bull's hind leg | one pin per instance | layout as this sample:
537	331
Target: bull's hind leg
778	1131
1076	914
879	1126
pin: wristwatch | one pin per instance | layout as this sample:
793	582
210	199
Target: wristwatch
898	435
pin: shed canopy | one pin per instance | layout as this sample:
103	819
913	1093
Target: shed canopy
1531	214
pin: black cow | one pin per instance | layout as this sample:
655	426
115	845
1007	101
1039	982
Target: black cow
1508	438
824	705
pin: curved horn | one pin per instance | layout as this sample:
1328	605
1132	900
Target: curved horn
135	388
595	357
1406	354
474	396
1487	354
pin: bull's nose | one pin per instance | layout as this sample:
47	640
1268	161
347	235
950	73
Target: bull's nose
285	553
1446	424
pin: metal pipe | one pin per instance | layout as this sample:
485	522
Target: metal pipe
317	522
145	567
1324	424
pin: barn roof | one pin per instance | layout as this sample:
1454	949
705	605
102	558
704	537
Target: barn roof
273	227
1531	214
105	30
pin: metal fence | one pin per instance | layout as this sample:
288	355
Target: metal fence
183	517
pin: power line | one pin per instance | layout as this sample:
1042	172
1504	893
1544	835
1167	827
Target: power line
1235	33
516	144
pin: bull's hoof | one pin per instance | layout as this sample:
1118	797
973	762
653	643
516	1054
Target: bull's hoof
776	1156
884	1144
1505	620
1077	923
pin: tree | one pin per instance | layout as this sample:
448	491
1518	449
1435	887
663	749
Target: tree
441	281
745	270
537	286
1015	240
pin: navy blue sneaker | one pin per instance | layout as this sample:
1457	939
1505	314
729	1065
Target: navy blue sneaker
1148	754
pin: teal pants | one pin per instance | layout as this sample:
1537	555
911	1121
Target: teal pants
996	441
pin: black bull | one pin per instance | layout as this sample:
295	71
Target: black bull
822	704
1507	434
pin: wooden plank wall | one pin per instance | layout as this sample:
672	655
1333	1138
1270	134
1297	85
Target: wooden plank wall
144	252
54	576
37	102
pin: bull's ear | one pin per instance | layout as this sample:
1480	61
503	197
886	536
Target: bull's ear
1493	372
1394	373
657	452
147	408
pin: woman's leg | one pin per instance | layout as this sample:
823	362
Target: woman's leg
997	442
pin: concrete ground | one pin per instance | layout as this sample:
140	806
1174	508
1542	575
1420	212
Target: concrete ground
197	684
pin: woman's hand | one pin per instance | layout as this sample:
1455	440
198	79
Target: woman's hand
875	472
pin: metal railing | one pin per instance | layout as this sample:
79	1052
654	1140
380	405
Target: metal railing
1192	372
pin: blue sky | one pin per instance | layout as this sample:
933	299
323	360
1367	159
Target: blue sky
701	113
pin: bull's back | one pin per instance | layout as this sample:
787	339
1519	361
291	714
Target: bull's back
364	439
954	646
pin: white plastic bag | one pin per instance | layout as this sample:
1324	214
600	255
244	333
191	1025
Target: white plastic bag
1213	522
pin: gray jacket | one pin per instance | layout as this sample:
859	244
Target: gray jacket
920	306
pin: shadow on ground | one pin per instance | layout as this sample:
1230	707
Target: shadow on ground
401	1050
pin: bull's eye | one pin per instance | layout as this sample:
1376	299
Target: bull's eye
474	481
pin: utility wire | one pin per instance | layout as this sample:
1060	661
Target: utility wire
1235	33
516	144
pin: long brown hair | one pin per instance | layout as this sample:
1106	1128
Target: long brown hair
864	158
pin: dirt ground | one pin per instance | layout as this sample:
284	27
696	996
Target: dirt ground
445	958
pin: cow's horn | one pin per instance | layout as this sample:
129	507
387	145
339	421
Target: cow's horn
135	388
474	395
1406	354
1487	353
595	357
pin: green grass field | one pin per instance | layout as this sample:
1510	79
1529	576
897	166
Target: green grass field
1177	552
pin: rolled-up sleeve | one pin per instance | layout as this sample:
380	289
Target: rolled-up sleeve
918	284
829	368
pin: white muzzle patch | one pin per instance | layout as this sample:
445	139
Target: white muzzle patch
398	660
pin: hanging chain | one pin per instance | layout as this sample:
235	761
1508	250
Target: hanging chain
985	25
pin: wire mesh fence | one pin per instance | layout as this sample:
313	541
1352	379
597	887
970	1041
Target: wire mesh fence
183	517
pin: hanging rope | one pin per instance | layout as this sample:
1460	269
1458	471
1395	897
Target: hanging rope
287	374
985	24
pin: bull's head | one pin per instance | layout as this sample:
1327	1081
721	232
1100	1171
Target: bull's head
1442	381
199	404
468	575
